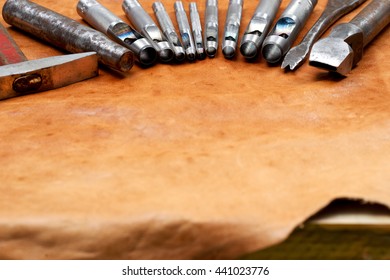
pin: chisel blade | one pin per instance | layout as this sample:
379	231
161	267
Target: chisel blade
47	73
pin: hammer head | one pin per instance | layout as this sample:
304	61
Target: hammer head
46	73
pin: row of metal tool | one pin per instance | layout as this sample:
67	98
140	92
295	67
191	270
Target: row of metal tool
118	45
145	42
260	37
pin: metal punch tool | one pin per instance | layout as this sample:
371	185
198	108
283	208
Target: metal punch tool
185	30
18	76
258	28
232	28
334	10
66	33
211	27
286	29
169	30
105	21
343	48
148	28
197	31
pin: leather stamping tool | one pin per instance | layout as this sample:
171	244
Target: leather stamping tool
211	27
18	76
168	29
66	33
232	28
258	28
286	29
105	21
197	31
185	30
148	28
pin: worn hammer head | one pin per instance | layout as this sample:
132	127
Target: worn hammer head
339	52
18	76
47	73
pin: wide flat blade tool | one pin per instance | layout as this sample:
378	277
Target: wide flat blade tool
334	10
343	48
105	21
18	76
66	33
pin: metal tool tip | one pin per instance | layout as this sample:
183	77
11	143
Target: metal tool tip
166	55
272	53
180	56
248	50
201	55
332	54
228	52
211	51
295	57
148	56
191	56
286	64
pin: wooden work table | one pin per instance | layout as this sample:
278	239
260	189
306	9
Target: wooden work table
211	159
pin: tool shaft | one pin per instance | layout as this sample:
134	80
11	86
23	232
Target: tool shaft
372	19
141	19
333	11
97	15
168	29
232	28
197	30
66	33
185	30
163	18
211	27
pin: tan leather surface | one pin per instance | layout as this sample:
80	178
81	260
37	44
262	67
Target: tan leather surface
211	159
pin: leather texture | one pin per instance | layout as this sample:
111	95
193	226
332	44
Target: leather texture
205	160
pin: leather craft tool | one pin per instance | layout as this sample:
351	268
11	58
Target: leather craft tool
18	76
197	31
66	33
148	28
232	28
105	21
185	30
168	30
343	48
286	29
334	10
211	27
258	28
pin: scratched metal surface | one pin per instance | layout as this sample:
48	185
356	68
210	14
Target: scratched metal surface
212	159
